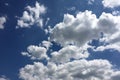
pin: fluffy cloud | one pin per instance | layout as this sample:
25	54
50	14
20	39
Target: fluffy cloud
76	70
74	33
31	16
76	30
85	27
111	3
110	26
2	22
46	44
35	52
38	52
69	52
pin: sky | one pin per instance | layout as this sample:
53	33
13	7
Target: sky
59	40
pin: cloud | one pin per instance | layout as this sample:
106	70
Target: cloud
116	12
75	30
111	3
31	16
76	70
69	52
46	44
35	52
38	52
73	34
3	78
2	22
84	27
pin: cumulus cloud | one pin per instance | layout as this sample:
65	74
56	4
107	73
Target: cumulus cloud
76	70
111	3
31	16
84	27
46	44
74	33
35	52
2	22
76	30
69	52
38	52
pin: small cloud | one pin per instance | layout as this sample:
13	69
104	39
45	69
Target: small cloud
32	16
116	13
6	4
71	9
90	2
2	22
48	19
111	3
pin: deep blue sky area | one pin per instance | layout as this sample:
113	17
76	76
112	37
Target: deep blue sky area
13	41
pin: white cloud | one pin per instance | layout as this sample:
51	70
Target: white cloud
76	70
76	30
38	52
35	52
31	16
116	12
65	54
46	44
111	3
3	78
108	47
85	27
2	22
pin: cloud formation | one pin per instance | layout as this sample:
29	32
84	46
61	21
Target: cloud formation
84	27
74	34
3	78
69	52
35	52
2	22
76	70
76	30
111	3
32	16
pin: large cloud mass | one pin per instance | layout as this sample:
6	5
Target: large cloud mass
86	26
74	34
76	70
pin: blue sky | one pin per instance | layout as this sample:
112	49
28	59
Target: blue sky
59	40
